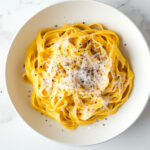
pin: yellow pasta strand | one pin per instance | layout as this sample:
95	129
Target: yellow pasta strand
78	74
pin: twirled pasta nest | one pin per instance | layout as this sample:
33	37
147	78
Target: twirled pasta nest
78	74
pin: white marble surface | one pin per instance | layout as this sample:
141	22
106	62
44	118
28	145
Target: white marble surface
14	134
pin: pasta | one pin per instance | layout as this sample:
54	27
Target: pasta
78	74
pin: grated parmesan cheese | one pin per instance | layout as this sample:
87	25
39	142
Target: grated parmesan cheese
91	75
87	112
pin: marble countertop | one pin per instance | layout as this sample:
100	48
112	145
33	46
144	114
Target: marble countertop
14	134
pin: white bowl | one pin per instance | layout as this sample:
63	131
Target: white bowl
136	50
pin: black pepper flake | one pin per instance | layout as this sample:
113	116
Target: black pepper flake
103	124
67	64
35	74
75	61
29	91
125	44
1	91
56	26
83	22
46	120
106	119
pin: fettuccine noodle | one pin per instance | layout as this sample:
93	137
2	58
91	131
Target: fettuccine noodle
78	74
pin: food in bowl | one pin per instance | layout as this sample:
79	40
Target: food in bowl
78	73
